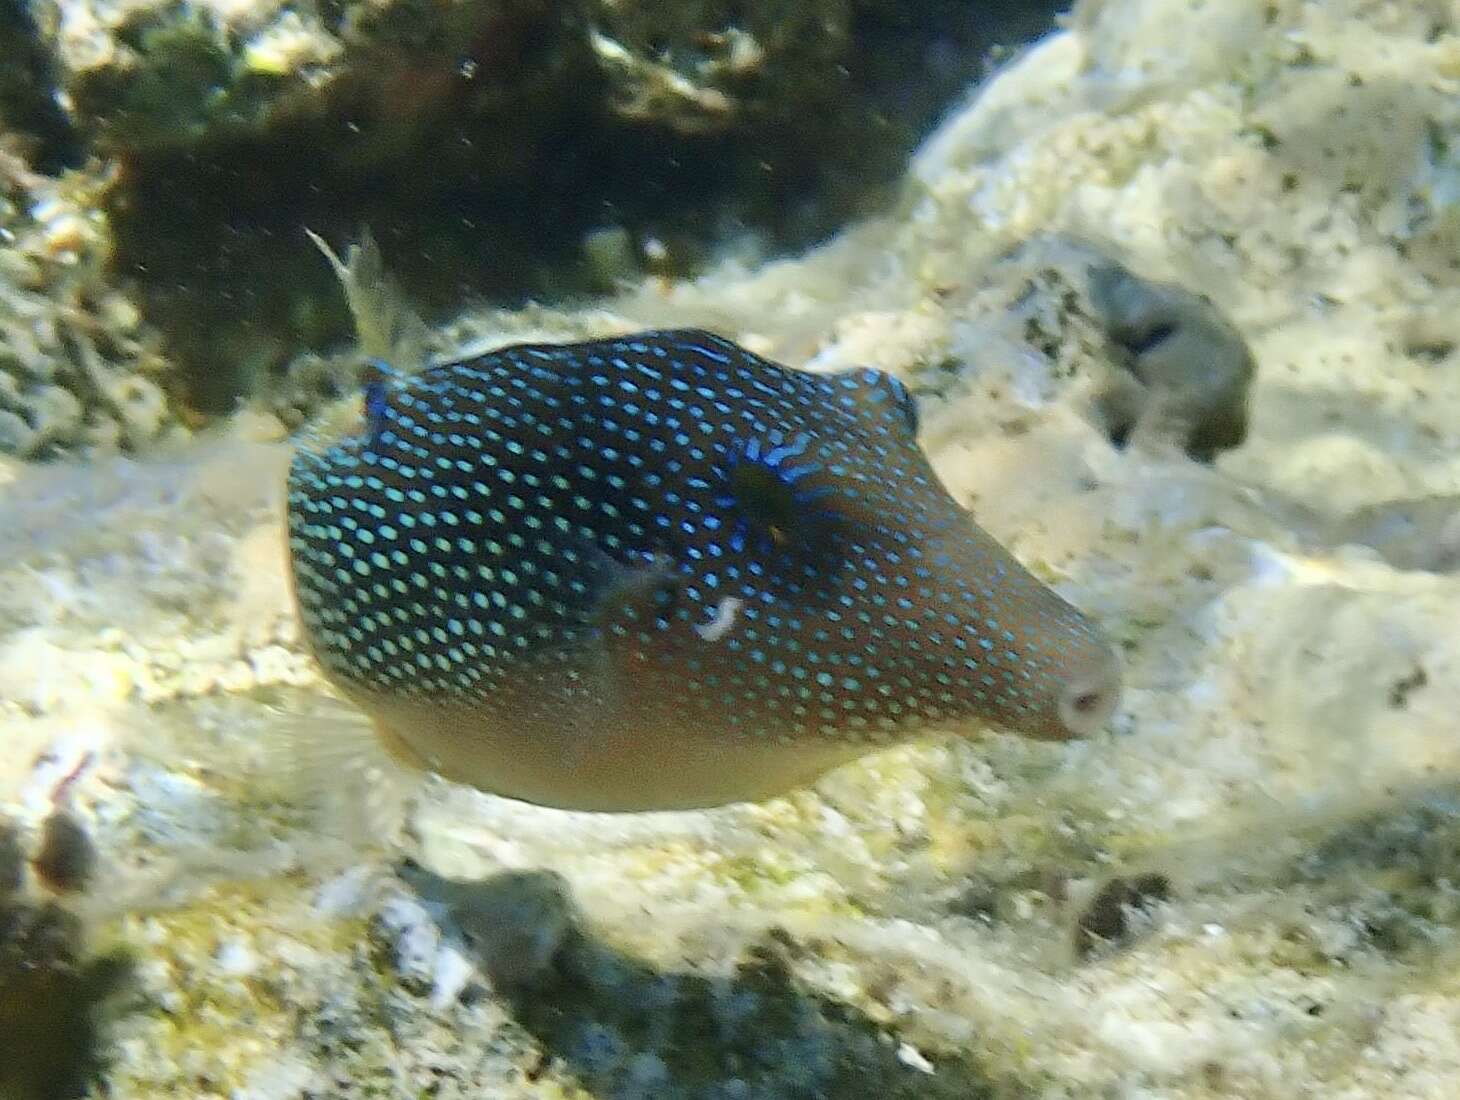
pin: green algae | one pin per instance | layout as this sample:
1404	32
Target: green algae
192	1024
174	97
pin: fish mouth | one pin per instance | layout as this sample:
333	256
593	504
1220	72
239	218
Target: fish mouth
1087	700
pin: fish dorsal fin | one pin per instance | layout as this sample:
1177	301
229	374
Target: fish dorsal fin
385	326
879	396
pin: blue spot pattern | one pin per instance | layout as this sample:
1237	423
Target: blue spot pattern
506	514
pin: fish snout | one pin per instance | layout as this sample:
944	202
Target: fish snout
1089	697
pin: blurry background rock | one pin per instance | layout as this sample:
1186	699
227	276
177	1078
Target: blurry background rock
65	857
54	994
80	370
1189	369
490	144
28	106
1114	912
1408	534
1154	363
515	924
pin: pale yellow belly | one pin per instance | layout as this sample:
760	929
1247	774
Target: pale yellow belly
600	763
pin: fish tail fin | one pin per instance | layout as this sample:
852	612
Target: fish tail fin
351	776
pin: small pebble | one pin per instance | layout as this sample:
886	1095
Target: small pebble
347	894
454	971
1107	919
913	1058
415	940
235	958
66	857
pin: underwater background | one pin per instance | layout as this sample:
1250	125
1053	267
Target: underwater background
1174	287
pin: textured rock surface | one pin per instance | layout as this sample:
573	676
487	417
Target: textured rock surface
495	148
1284	764
487	143
80	372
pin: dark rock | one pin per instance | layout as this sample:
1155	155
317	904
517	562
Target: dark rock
1188	369
51	1000
1106	921
66	857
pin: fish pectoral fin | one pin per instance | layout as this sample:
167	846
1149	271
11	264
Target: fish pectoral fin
634	597
630	611
353	773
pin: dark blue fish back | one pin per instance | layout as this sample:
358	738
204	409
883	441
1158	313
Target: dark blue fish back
559	505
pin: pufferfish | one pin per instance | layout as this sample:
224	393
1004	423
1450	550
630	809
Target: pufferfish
661	572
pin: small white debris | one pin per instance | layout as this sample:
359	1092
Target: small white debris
285	1078
911	1057
723	622
346	894
235	958
454	969
417	940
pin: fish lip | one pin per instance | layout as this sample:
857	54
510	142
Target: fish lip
1088	700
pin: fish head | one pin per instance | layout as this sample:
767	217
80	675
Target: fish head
893	609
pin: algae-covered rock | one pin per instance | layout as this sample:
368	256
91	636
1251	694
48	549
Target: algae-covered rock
151	76
490	145
80	371
699	67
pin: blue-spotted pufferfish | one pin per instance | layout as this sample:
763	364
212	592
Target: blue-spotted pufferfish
661	572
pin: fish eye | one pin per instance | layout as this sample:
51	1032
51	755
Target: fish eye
765	497
785	497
